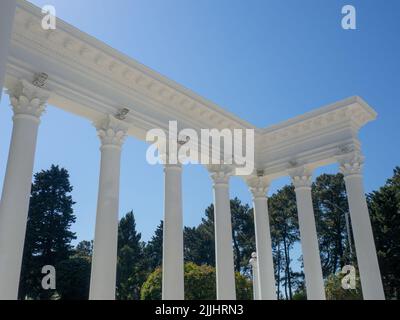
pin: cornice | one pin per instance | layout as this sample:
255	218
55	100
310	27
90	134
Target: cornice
90	79
353	112
91	55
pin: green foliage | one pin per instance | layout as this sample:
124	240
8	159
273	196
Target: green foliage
152	287
199	284
48	235
131	266
84	249
153	249
199	241
330	207
284	234
334	290
384	206
73	278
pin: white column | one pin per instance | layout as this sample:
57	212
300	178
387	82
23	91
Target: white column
7	13
254	271
173	265
225	274
370	276
301	178
104	262
259	187
28	103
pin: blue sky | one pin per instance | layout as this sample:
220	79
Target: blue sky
265	61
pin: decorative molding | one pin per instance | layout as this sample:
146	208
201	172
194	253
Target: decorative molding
121	114
28	99
111	131
258	185
39	79
301	177
88	78
220	174
351	164
71	44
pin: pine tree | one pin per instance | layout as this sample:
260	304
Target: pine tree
131	266
48	235
153	249
284	234
384	207
330	208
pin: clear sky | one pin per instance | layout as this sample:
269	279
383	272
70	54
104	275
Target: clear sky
266	61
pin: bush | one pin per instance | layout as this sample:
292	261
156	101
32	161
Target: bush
199	284
73	279
334	290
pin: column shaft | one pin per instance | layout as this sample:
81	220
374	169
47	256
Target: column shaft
104	260
7	13
28	103
370	276
15	203
173	264
309	244
265	263
223	243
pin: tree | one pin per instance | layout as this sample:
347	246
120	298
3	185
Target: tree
384	207
84	249
131	266
334	290
200	242
48	235
153	249
73	278
330	207
284	233
199	284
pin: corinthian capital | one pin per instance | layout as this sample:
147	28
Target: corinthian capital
351	164
220	174
111	131
301	177
258	185
28	99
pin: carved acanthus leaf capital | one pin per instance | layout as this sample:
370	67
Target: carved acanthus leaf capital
111	131
27	99
220	174
301	177
258	185
351	164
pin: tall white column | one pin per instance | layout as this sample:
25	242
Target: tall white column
254	271
301	178
112	133
225	274
7	13
259	187
173	265
28	103
370	276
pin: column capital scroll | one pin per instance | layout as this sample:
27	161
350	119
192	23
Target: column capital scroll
258	185
351	164
220	174
27	99
301	177
111	131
